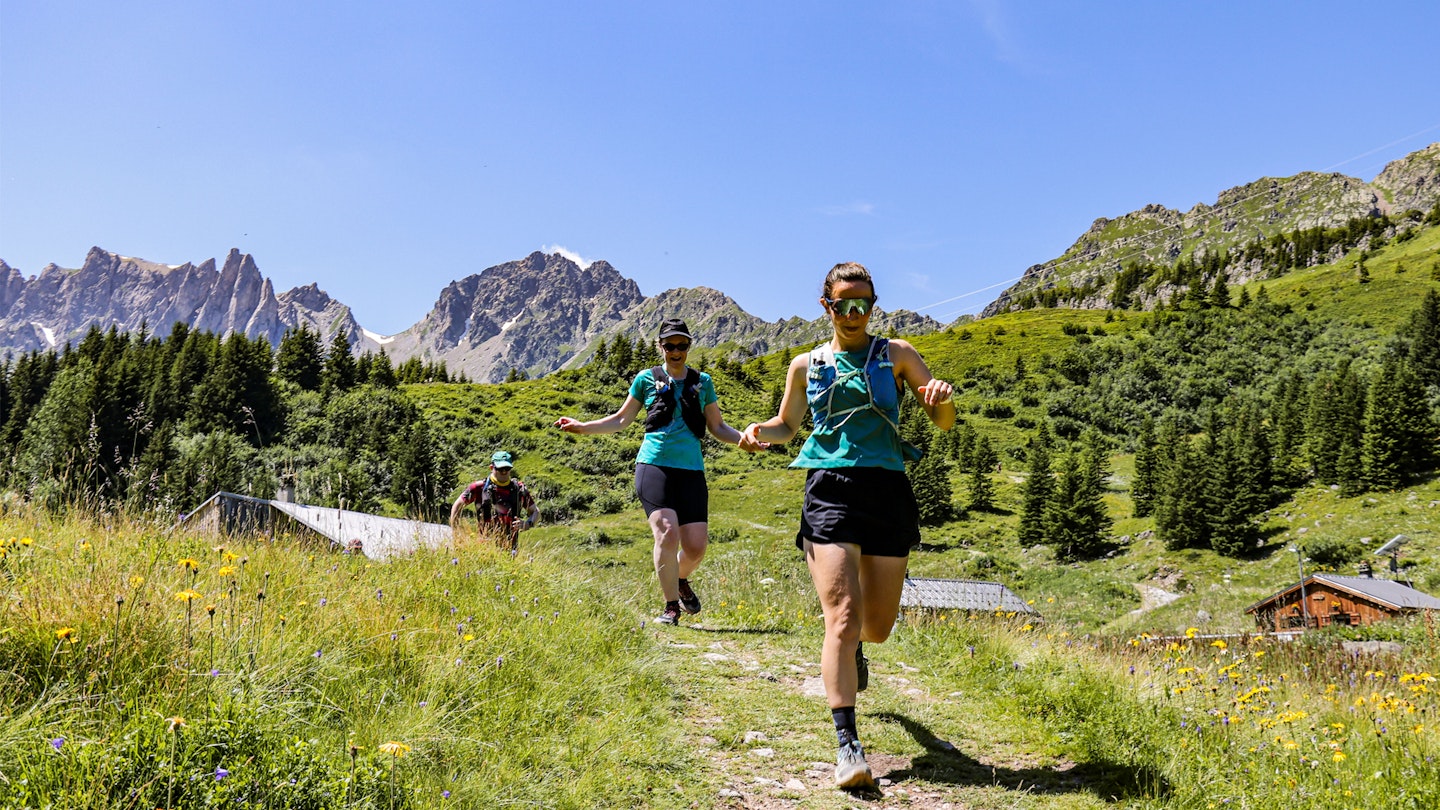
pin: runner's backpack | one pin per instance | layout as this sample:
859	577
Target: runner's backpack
662	409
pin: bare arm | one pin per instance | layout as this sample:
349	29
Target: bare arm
783	426
718	428
613	423
456	509
935	396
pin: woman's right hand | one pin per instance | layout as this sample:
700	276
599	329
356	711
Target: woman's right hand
567	424
750	439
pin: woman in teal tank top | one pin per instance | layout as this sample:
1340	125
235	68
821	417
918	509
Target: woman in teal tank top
681	406
860	517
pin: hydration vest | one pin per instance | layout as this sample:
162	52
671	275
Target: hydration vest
823	378
662	408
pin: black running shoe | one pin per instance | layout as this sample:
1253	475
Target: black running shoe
862	669
852	772
689	602
670	616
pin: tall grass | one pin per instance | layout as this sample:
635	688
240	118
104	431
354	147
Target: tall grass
140	668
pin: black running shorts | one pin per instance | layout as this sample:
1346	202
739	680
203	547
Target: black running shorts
872	507
673	488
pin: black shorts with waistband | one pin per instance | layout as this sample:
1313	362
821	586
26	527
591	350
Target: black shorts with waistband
872	507
673	488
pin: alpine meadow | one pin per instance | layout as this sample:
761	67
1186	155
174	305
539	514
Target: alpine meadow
1150	442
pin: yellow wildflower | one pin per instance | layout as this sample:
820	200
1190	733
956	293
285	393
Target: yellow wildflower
189	564
1191	632
227	570
394	749
1219	643
65	634
187	595
177	722
1338	756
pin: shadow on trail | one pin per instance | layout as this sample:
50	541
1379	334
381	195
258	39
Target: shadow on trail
943	763
739	631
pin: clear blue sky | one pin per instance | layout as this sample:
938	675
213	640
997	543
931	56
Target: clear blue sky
386	149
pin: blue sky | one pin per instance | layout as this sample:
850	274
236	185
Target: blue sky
386	149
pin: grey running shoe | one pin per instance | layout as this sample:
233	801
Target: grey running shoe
851	770
670	616
689	602
862	670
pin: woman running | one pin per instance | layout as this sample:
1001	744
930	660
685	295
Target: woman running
680	404
860	517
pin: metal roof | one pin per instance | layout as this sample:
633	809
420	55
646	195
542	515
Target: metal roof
1387	592
379	538
961	594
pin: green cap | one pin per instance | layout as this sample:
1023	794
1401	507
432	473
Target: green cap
502	458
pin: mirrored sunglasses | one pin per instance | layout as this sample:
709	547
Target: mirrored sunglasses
844	307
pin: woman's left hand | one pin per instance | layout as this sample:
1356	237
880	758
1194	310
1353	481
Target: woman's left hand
936	392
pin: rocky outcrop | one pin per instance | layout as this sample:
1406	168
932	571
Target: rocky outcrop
1239	215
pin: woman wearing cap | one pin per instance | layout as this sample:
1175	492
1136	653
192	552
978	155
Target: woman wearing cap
860	518
680	405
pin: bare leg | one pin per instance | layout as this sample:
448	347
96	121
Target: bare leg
694	538
881	581
667	552
835	570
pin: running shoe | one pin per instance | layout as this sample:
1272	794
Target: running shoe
689	602
670	616
862	670
852	772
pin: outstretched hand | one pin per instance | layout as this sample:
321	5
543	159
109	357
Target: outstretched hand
750	439
568	425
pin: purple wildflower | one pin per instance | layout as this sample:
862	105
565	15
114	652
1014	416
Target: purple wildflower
57	743
221	773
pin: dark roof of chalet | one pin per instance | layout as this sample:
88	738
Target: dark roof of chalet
960	594
1386	592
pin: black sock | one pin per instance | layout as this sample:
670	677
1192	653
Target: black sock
844	724
672	605
859	650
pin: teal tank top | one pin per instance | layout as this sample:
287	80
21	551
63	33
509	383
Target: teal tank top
851	429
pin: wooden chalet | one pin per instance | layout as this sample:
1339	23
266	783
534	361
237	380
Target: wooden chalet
1321	600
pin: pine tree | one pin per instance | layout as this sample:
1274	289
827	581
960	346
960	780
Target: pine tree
930	478
982	489
340	372
1337	409
1220	292
622	356
1422	332
1039	485
1147	470
299	359
1399	433
1179	509
382	373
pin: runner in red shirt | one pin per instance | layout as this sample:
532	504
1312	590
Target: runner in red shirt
500	499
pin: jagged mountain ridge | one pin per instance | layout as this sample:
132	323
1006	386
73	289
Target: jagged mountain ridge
536	314
1263	208
60	304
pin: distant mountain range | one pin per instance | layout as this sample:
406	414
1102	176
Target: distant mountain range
544	312
536	315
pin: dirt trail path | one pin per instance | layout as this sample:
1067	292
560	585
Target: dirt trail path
755	711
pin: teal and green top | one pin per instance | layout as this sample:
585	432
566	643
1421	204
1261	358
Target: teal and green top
851	428
673	445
